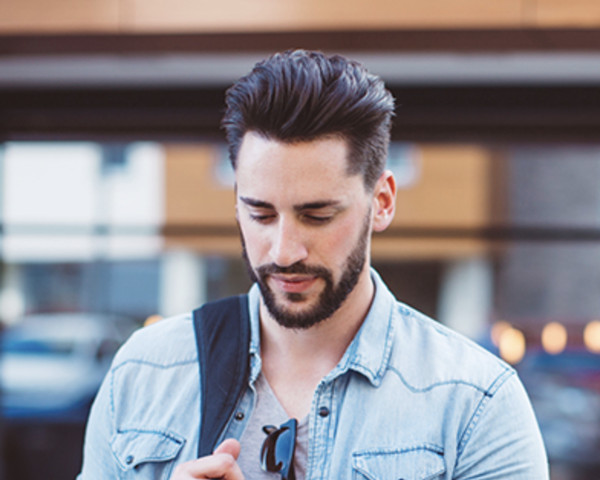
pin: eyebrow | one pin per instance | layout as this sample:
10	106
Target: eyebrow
256	203
252	202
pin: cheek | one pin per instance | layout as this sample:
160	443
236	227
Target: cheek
254	243
342	241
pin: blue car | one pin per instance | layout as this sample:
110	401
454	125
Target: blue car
51	365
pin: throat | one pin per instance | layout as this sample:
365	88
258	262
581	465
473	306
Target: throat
295	362
294	389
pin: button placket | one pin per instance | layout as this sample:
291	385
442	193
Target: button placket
239	419
320	447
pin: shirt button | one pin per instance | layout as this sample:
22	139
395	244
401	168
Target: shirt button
323	412
239	416
129	460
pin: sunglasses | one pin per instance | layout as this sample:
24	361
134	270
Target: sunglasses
277	452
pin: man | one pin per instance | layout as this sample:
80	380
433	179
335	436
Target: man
376	389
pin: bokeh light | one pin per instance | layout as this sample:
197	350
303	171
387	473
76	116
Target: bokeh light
512	345
152	319
554	338
497	329
591	336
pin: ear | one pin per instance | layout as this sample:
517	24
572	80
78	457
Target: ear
384	201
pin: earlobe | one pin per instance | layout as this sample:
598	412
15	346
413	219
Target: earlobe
384	201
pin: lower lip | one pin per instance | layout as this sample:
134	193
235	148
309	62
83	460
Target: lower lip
296	286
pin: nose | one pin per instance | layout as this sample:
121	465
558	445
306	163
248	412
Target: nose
288	246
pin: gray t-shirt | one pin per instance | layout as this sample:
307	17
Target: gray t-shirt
268	411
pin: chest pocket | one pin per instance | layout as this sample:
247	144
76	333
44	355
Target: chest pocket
415	463
145	454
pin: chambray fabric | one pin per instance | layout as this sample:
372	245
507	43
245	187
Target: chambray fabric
410	399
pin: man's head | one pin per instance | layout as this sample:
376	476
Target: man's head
308	140
299	96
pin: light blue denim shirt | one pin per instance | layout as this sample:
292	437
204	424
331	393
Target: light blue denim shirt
410	399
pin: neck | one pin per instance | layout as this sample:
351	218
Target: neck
295	361
324	343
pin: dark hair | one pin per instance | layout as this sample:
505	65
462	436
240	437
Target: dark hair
300	95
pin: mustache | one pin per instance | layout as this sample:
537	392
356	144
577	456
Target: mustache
299	268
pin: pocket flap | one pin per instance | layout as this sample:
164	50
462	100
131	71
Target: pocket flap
134	447
415	463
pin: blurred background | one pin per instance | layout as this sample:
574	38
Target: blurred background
116	204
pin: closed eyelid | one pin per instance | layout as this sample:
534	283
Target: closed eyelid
322	211
320	214
257	208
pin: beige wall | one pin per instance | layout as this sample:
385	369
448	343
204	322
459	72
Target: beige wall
137	16
452	189
559	13
193	197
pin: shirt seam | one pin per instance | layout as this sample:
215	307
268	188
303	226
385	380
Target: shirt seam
163	433
178	363
431	386
483	402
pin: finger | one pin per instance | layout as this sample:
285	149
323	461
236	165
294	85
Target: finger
219	465
230	446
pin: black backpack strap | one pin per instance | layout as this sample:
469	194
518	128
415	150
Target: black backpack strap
222	331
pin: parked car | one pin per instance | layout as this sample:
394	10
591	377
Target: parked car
51	365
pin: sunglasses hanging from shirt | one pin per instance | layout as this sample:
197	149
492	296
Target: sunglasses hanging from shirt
277	452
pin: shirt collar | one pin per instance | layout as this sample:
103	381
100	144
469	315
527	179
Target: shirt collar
364	355
369	352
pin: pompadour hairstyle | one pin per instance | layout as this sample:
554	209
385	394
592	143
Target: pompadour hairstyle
300	95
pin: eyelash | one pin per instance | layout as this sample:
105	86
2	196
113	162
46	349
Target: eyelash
262	218
317	220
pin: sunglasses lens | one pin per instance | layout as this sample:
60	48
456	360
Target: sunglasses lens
277	453
268	459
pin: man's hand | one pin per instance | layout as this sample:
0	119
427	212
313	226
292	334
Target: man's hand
222	464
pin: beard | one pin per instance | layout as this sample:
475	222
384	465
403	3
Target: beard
331	297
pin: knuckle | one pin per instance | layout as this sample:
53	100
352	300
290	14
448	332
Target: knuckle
228	462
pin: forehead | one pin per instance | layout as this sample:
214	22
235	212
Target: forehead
316	167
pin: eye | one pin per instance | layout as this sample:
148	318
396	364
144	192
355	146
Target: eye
317	219
262	217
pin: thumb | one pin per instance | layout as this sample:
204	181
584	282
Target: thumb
230	446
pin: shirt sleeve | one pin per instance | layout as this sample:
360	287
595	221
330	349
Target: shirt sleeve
98	459
503	440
